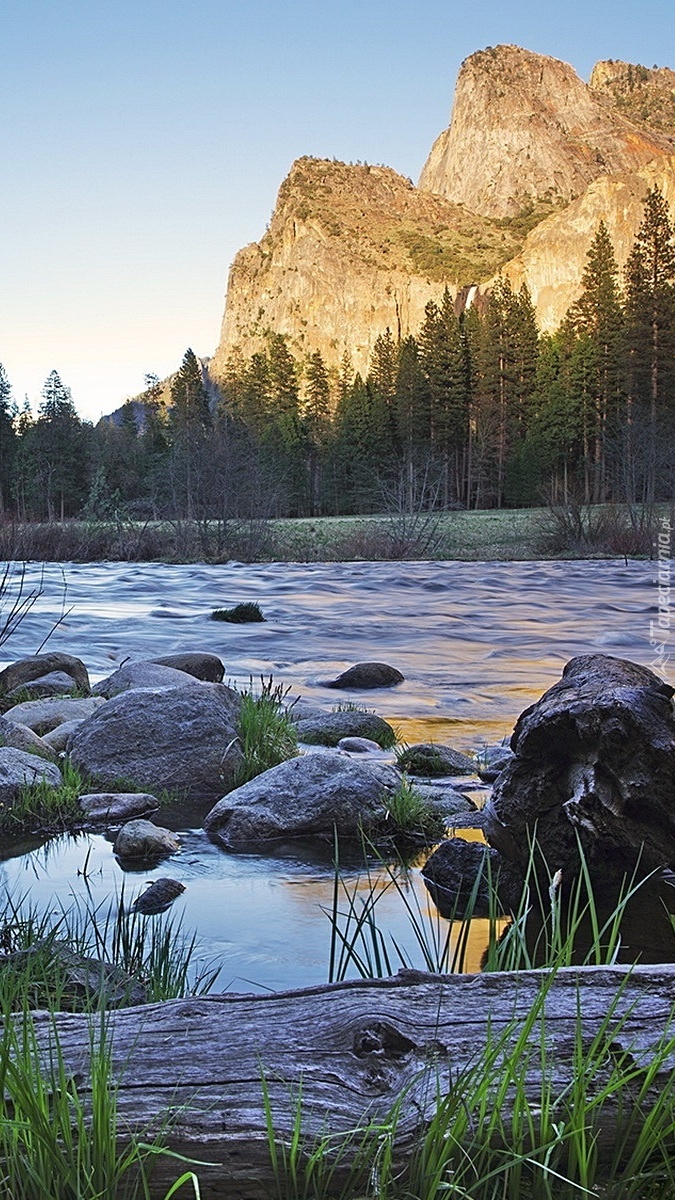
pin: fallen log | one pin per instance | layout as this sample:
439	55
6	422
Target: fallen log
353	1049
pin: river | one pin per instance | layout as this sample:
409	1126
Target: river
476	642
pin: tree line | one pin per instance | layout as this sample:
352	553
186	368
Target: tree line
478	410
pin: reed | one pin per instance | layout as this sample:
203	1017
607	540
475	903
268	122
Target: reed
267	735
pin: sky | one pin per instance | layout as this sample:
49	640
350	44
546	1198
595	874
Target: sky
142	143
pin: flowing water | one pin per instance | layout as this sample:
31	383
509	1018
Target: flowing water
476	642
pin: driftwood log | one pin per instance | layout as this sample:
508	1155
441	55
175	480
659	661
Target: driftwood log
355	1048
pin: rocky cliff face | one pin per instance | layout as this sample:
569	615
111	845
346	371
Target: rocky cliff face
645	95
553	258
350	251
526	130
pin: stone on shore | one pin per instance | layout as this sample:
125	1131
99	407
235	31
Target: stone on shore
141	841
181	739
428	759
19	769
142	675
112	807
330	727
27	669
207	667
20	737
44	715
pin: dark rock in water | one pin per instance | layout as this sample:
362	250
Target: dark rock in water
594	764
207	667
159	896
367	675
330	728
27	669
460	874
426	758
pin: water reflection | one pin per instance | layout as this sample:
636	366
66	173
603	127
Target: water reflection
476	642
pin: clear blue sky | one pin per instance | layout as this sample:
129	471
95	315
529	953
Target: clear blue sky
142	142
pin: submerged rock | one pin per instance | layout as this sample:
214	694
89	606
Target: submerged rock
462	876
367	675
158	897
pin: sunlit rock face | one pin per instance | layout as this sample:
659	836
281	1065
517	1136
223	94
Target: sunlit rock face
526	129
554	256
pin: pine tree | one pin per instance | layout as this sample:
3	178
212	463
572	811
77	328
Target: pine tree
190	425
650	307
8	441
58	445
316	417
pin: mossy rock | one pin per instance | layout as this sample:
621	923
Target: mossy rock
241	614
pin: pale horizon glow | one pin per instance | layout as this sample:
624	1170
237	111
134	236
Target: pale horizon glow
143	143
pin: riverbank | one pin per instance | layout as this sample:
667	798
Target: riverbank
491	535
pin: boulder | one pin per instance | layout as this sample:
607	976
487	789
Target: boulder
142	675
330	727
594	764
428	759
461	874
367	675
141	841
44	715
445	800
207	667
20	737
27	669
182	739
18	769
56	683
158	897
357	745
304	797
113	807
58	739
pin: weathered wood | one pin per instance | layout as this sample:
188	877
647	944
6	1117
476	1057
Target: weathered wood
355	1046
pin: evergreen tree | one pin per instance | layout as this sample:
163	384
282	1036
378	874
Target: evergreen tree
444	358
597	316
650	307
58	450
316	417
190	425
8	441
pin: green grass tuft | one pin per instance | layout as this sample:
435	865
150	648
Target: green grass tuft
410	816
41	808
267	735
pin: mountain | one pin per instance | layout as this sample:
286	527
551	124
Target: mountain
350	251
526	129
532	160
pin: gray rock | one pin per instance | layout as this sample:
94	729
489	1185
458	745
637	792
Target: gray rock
56	683
367	675
446	800
113	807
17	769
461	874
27	669
300	709
44	715
303	797
183	739
357	745
493	760
142	841
20	737
142	675
206	667
428	759
158	897
58	739
329	728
